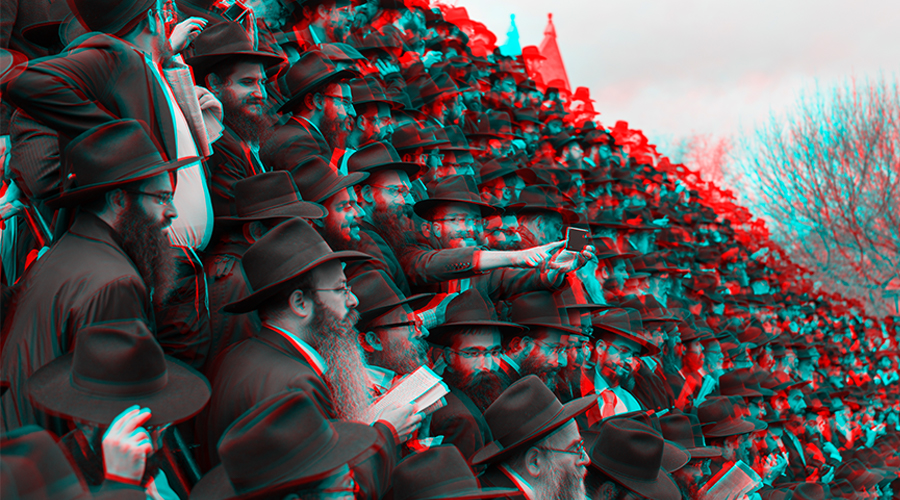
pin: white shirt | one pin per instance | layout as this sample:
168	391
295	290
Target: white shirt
318	362
625	401
526	489
193	226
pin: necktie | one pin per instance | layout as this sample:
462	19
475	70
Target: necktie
609	403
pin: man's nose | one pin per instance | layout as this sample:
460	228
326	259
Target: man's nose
352	301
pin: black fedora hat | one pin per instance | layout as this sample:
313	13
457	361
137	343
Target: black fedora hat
675	456
317	180
270	195
720	418
106	157
113	366
311	71
631	454
109	16
469	309
46	32
684	429
415	135
285	252
523	414
440	473
222	41
377	295
546	198
650	309
34	467
501	167
621	323
279	445
380	156
540	309
453	189
369	89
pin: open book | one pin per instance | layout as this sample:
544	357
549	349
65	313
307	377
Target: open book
731	483
423	388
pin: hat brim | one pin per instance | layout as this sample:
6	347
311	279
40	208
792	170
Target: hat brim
353	441
663	488
183	396
569	216
327	78
425	207
203	63
705	452
494	452
85	193
252	301
411	169
303	209
414	302
733	427
440	335
351	179
647	348
674	456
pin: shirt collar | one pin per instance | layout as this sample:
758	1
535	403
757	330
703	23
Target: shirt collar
301	117
600	383
521	483
305	349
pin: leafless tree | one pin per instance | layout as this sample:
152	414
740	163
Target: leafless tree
825	176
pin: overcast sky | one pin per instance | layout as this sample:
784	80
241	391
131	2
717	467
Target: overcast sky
673	68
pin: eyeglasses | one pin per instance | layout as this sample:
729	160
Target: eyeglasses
463	221
162	199
556	349
399	190
343	289
347	103
579	449
623	352
479	353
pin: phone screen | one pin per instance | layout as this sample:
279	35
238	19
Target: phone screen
576	239
236	12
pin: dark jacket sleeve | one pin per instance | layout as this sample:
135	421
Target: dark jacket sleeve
424	265
34	158
373	472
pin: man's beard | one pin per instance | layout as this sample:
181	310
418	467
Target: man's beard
529	240
403	356
622	377
146	243
336	239
483	388
337	340
531	365
335	131
395	226
562	484
240	117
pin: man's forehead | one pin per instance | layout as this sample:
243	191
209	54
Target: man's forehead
482	337
453	209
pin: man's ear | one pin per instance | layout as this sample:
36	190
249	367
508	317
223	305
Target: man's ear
436	229
322	11
301	305
365	193
426	230
533	462
213	83
370	342
115	201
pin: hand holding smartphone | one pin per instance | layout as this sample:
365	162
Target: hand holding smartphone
576	239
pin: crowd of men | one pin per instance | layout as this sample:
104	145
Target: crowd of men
230	229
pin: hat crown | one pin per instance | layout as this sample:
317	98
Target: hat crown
366	89
716	409
373	155
523	408
436	472
311	67
374	290
118	358
276	256
538	308
469	306
629	448
457	187
281	435
677	427
222	38
88	161
615	318
109	16
264	191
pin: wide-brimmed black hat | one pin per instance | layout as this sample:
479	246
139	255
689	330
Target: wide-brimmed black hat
279	445
453	189
720	418
310	72
46	32
369	89
377	295
109	16
317	180
631	454
414	135
379	156
675	456
270	195
496	168
285	252
546	198
620	322
684	429
116	365
33	466
743	382
469	309
440	473
226	40
107	157
540	309
523	414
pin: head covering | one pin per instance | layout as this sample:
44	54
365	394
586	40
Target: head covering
523	414
223	41
378	295
270	195
380	156
115	365
279	445
453	189
439	473
107	157
109	16
720	418
34	467
620	323
285	252
540	309
311	71
317	180
684	429
469	309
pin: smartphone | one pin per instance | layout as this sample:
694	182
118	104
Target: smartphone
236	12
576	239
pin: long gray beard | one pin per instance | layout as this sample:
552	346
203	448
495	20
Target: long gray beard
561	485
337	341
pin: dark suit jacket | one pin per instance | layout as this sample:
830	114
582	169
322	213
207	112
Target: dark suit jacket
461	424
230	162
495	478
292	143
651	388
268	364
99	79
84	278
371	243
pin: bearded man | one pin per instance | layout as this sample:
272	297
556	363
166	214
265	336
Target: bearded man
225	60
308	342
114	262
